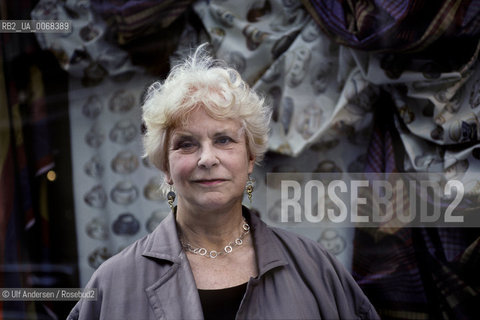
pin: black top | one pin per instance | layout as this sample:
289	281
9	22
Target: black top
222	303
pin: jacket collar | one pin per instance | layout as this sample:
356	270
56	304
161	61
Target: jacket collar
164	244
269	254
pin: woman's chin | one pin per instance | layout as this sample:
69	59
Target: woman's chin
215	203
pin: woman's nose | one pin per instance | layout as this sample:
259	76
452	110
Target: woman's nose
208	157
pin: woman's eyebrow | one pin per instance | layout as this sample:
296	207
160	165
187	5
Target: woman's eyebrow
222	133
179	134
230	131
182	134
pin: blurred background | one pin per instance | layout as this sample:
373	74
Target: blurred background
356	87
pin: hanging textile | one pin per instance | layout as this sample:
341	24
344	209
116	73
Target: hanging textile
419	273
83	53
395	25
311	82
131	20
413	273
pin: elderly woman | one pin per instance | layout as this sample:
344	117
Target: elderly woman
211	257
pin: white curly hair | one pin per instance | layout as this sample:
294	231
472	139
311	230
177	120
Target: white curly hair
201	81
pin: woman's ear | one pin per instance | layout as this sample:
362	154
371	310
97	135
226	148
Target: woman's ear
251	164
168	177
169	180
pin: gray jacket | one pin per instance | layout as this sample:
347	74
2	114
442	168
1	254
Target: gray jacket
152	279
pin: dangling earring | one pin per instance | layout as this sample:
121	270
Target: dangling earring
249	188
171	197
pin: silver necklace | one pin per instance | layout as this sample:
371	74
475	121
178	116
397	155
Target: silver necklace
214	253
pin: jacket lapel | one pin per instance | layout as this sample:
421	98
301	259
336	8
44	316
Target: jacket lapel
269	255
174	295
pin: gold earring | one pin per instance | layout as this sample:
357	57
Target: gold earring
249	188
171	196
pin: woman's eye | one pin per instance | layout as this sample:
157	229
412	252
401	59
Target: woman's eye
185	145
224	140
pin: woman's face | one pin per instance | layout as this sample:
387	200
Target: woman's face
208	162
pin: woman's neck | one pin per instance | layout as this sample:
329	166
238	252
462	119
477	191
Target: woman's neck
209	229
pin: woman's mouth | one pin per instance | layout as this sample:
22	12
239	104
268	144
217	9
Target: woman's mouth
209	182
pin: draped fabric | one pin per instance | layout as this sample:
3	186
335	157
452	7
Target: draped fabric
419	273
316	91
384	151
383	147
395	25
148	30
111	38
132	19
413	273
